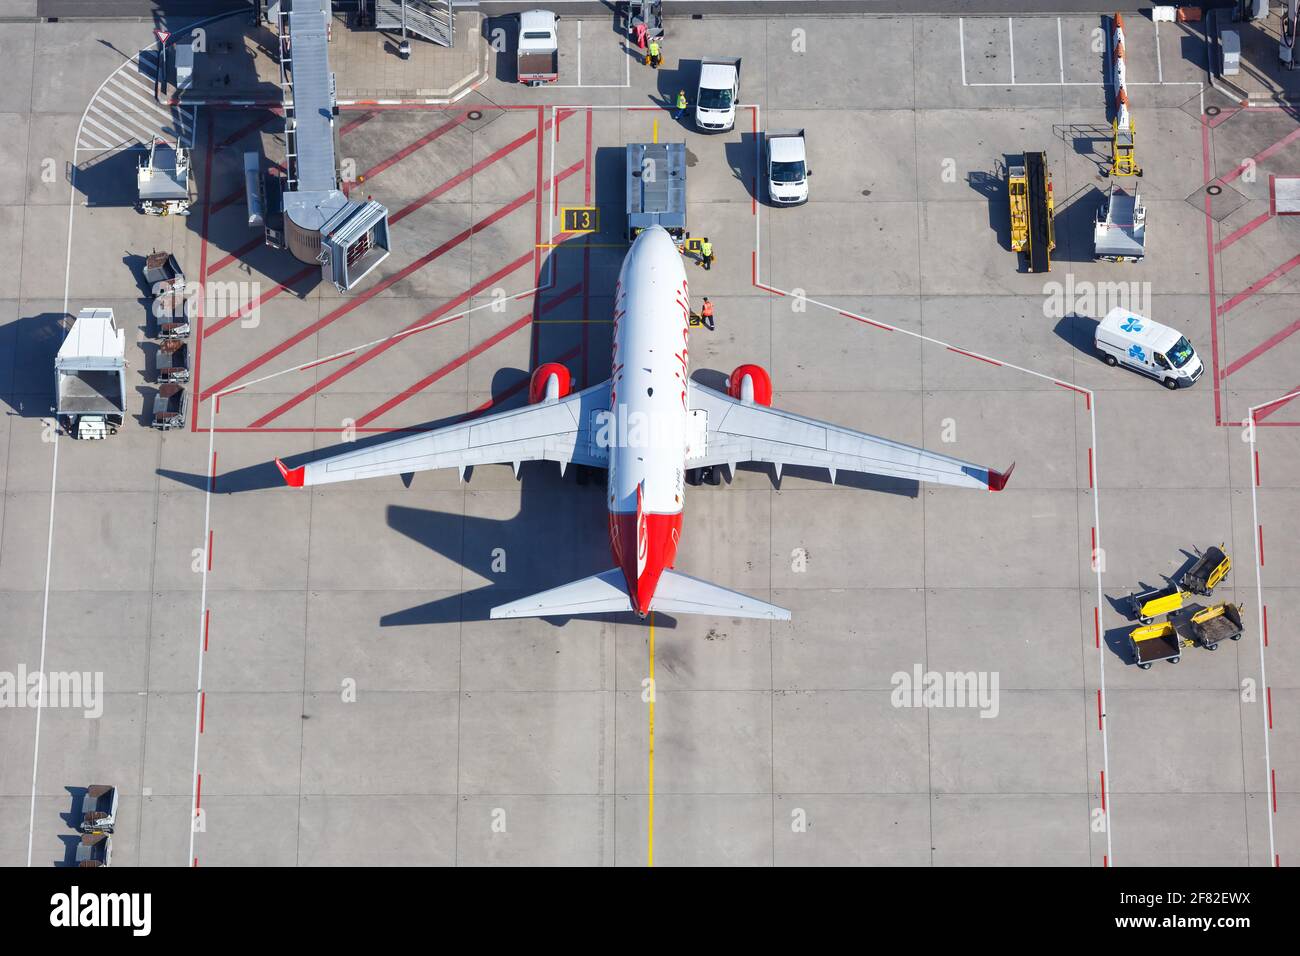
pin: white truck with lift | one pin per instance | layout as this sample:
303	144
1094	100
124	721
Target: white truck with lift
90	376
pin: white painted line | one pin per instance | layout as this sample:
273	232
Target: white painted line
1108	791
203	611
1259	611
45	608
112	139
1011	45
1160	70
105	124
580	53
551	199
148	105
961	45
1060	50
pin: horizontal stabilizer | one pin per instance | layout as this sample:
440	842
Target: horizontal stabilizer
602	593
682	594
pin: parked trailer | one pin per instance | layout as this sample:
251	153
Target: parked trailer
1154	642
173	361
99	809
1120	230
1204	627
656	188
1211	568
169	407
1149	605
167	283
90	376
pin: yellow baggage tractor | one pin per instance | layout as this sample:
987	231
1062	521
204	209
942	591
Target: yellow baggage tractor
1211	568
1155	642
1149	605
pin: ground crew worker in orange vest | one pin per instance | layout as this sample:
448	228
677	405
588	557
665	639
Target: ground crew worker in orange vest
706	314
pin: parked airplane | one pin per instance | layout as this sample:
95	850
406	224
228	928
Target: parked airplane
646	426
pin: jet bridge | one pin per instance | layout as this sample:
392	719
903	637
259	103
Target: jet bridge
321	225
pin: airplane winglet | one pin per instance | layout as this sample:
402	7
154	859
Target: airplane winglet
293	477
998	479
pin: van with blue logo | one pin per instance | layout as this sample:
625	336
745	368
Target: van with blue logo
1165	354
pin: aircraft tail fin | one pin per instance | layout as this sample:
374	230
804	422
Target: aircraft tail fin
606	593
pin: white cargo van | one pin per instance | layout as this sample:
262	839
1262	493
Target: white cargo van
1124	338
715	99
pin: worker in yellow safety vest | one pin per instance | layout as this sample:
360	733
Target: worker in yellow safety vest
681	105
654	57
706	253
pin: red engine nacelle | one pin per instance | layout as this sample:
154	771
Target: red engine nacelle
539	384
750	383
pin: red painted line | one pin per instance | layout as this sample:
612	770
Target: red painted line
237	254
198	793
1209	256
460	360
210	531
1099	709
1094	542
1274	406
365	117
389	343
1256	469
1070	387
410	148
1103	791
203	270
973	355
1263	347
248	308
1089	467
207	618
753	266
1272	196
537	244
859	318
1266	625
225	201
196	862
203	709
364	297
1268	692
1273	774
326	361
1261	545
1105	861
1260	157
1272	277
1245	230
1277	860
212	476
1096	624
244	131
218	403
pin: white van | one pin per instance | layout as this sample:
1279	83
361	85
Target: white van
1124	338
715	98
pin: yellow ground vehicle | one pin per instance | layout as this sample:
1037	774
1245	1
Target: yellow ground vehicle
1200	627
1211	568
1149	605
1033	209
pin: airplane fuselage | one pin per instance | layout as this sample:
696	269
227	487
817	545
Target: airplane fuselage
646	429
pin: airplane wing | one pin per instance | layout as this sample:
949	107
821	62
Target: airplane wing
558	430
739	431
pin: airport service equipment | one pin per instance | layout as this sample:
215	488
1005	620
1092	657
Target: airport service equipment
537	60
90	376
1149	605
169	406
1210	568
1119	233
1136	342
166	283
1033	211
95	849
98	809
163	181
173	361
1196	626
656	189
645	21
787	167
715	98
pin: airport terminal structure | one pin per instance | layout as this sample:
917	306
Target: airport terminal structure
649	433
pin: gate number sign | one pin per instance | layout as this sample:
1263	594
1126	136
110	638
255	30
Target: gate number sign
581	219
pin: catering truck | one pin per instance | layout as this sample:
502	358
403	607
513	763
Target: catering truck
538	58
1134	341
90	376
715	98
